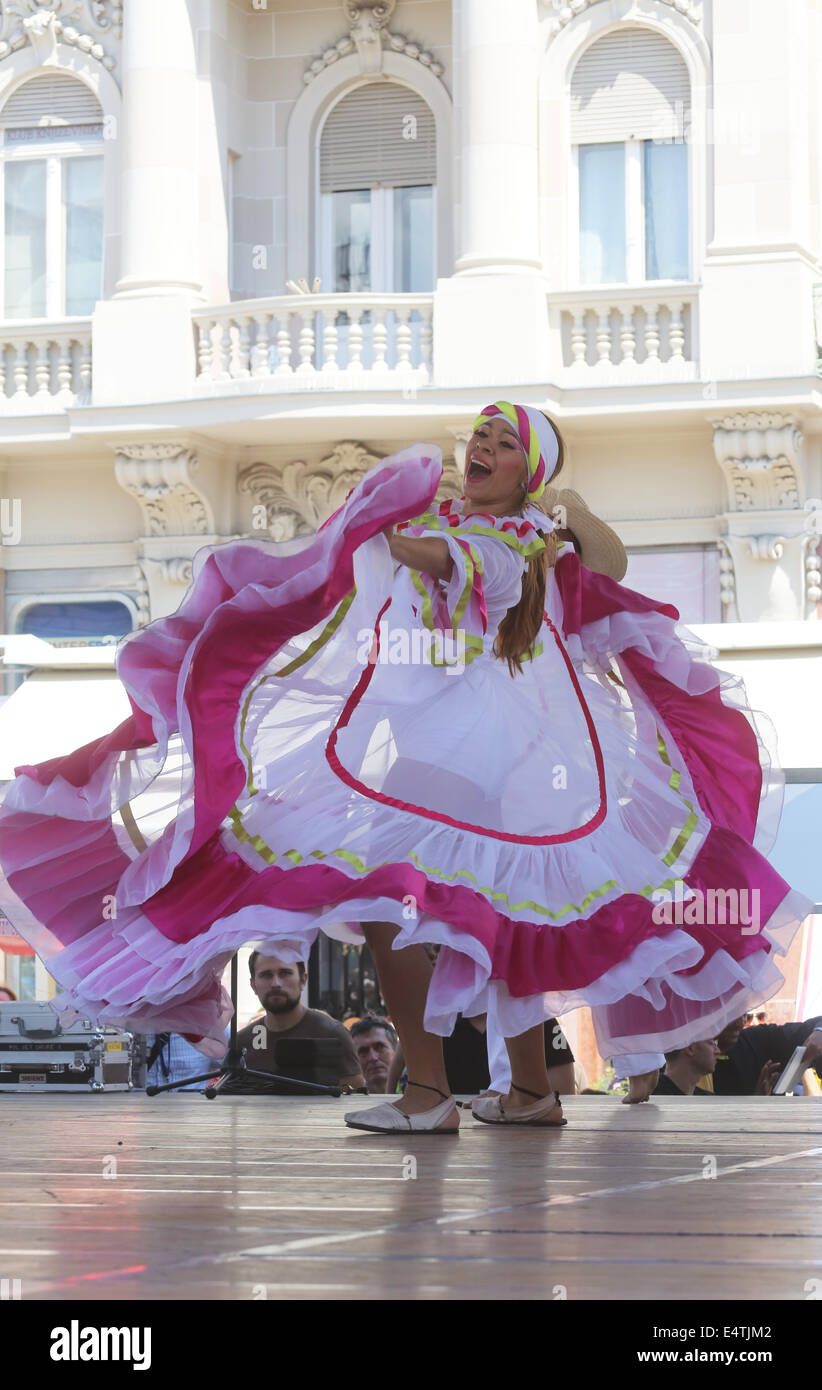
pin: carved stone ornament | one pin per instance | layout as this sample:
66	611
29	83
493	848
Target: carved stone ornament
452	483
813	571
368	36
727	580
766	547
298	497
760	456
565	10
158	477
142	597
73	22
176	571
367	18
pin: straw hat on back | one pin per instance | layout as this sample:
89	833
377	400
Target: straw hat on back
600	546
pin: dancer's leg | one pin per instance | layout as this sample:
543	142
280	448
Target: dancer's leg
563	1079
526	1053
404	979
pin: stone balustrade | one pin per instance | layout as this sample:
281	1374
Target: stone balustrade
643	333
324	341
44	366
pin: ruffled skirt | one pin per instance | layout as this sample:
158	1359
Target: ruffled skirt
561	834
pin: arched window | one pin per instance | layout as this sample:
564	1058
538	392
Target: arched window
377	177
630	116
51	199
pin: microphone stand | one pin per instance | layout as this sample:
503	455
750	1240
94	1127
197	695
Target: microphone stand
233	1066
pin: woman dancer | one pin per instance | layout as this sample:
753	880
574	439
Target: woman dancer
415	735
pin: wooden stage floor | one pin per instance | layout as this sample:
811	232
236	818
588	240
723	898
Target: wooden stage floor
175	1197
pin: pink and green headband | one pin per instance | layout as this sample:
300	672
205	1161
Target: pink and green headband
536	436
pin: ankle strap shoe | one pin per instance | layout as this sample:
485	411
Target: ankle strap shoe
387	1119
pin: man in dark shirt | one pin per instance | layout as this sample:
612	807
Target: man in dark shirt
279	986
751	1059
685	1066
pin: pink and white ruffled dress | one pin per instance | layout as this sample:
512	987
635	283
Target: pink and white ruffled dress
321	739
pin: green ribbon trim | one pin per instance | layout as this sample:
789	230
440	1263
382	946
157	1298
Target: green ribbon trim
270	857
434	522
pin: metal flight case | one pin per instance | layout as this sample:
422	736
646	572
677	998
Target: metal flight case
40	1053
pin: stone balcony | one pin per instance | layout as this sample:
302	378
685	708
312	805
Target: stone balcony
345	343
337	342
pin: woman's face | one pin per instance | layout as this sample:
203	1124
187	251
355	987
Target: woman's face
495	468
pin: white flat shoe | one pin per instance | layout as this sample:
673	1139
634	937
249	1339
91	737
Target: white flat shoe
387	1119
489	1110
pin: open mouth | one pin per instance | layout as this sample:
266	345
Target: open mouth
478	470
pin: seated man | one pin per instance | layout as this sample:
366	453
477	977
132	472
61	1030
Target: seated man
375	1043
279	988
685	1066
752	1059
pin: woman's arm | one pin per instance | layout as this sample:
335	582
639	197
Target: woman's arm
430	556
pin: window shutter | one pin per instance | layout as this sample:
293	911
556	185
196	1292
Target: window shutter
629	86
380	134
52	98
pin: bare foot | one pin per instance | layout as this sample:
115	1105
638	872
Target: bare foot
640	1087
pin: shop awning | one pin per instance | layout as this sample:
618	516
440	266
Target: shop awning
11	942
54	712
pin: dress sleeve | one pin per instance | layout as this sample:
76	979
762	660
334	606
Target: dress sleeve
487	575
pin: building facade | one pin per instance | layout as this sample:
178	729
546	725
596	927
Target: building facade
250	246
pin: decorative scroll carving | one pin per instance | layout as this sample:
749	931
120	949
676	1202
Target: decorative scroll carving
158	477
813	571
368	36
142	598
566	10
176	571
727	580
367	18
760	456
300	496
766	547
72	22
453	469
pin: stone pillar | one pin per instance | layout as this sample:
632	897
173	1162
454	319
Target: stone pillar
760	264
143	341
159	157
498	47
490	318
